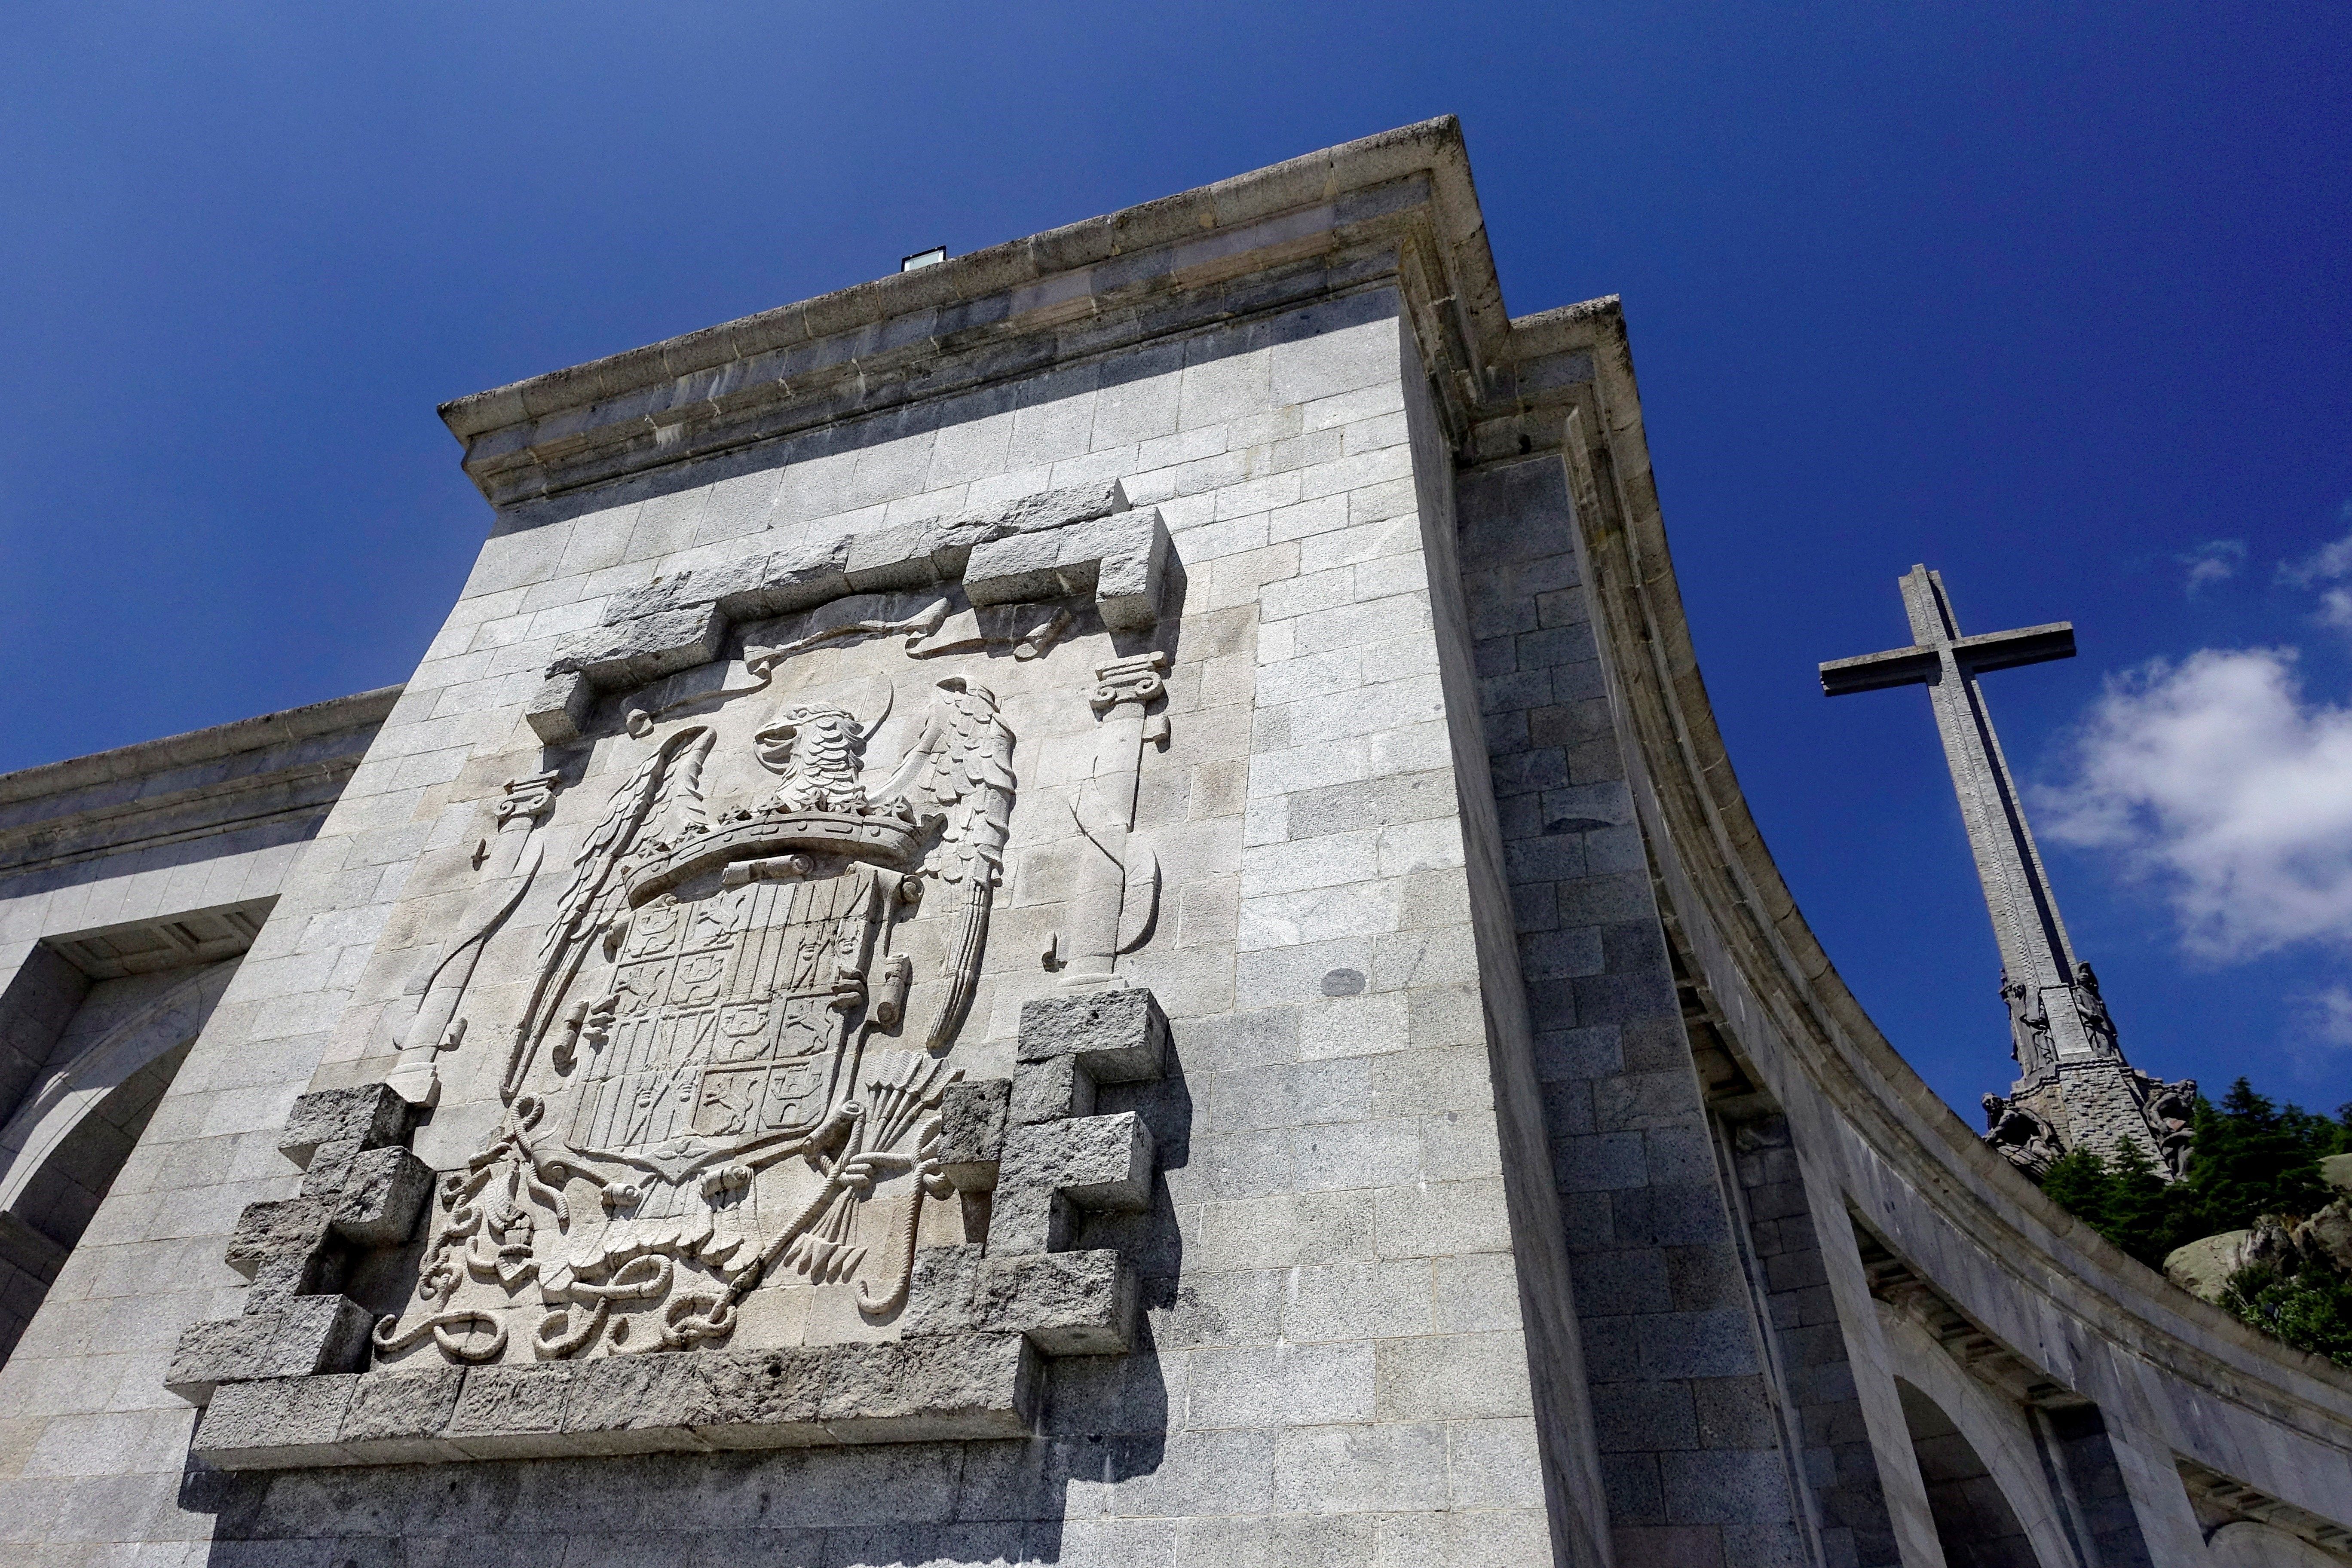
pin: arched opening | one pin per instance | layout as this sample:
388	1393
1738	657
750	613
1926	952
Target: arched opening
63	1148
2250	1544
1974	1522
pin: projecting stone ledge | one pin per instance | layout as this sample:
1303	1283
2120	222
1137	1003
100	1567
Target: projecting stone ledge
979	1322
933	1388
1082	542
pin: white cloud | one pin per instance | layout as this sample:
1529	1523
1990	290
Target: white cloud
2215	560
2325	1032
2326	569
2219	784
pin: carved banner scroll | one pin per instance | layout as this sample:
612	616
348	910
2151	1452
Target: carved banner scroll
689	1062
703	1091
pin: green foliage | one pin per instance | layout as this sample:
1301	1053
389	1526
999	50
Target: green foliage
2310	1308
2252	1157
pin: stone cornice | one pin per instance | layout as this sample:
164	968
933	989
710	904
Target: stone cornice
1397	208
1777	983
186	786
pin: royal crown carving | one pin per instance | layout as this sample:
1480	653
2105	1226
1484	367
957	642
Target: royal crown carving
711	992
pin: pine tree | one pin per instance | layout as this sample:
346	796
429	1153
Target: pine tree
2080	1183
2253	1157
2310	1307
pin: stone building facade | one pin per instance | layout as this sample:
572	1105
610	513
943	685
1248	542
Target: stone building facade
1080	906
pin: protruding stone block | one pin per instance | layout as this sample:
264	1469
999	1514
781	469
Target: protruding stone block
382	1195
971	1132
762	1399
1016	569
646	648
512	1412
1115	1037
794	579
1068	1303
953	1388
639	1404
1061	508
396	1416
909	556
274	1424
558	711
294	1337
1052	1091
1089	1163
1131	580
273	1232
368	1116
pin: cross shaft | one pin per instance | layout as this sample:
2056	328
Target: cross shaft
2034	951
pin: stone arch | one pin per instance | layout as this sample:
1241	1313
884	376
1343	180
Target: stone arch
2250	1544
1990	1501
66	1144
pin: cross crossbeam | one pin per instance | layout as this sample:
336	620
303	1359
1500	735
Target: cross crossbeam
1919	666
2037	960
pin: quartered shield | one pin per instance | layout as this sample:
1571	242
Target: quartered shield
729	1022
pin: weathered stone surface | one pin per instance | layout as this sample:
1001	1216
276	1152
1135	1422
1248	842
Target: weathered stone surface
1017	569
1091	1161
640	1404
512	1412
908	555
939	1292
793	578
684	590
1060	508
368	1116
762	1399
1116	1037
397	1415
973	1118
382	1195
2203	1266
291	1337
1121	559
646	648
275	1422
270	1232
558	710
1050	1090
1068	1303
950	1388
1131	575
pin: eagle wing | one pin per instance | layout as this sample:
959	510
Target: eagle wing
664	788
959	773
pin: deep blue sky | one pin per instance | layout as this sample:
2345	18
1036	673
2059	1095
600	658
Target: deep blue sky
2047	297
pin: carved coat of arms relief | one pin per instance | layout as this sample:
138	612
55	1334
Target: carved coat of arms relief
735	981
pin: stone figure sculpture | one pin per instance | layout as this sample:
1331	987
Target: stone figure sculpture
2098	1025
2023	1138
2029	1024
2171	1110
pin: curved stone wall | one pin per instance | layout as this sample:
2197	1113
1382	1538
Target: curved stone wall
2024	1291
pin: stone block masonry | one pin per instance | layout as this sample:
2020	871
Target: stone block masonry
1079	907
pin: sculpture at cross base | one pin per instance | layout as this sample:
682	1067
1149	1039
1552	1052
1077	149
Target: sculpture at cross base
2073	1088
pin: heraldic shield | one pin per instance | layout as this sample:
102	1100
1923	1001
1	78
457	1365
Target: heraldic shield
709	1083
729	1021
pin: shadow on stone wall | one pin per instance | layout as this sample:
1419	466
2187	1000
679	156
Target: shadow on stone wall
1105	1424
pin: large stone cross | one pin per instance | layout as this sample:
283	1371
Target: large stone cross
2034	951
